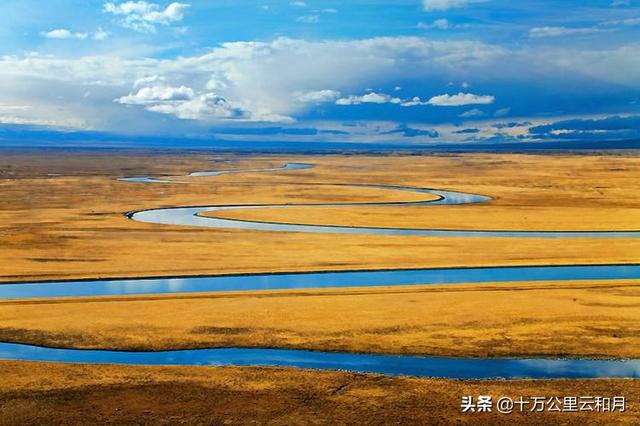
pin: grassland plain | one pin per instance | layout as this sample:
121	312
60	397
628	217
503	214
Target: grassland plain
38	393
577	319
61	217
62	213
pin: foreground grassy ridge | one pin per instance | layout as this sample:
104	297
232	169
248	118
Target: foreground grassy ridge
36	393
587	319
72	226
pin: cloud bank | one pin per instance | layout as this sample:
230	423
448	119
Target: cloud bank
144	17
461	99
284	79
438	5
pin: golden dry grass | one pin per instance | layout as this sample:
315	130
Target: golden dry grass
72	226
528	193
58	230
587	319
37	393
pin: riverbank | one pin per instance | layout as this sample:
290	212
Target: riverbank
37	393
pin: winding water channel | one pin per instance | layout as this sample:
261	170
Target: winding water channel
452	368
193	215
457	368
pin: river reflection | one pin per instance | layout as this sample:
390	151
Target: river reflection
453	368
192	216
316	280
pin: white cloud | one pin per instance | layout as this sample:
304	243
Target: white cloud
461	99
540	32
298	4
147	81
440	24
432	5
153	94
207	106
63	33
143	16
415	101
317	96
100	35
13	108
309	19
502	112
182	101
186	103
369	98
472	113
628	22
442	100
277	80
265	80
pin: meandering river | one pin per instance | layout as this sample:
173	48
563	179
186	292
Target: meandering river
457	368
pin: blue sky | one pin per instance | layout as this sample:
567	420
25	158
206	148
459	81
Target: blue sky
423	71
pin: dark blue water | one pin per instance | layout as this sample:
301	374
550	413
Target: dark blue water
453	368
316	280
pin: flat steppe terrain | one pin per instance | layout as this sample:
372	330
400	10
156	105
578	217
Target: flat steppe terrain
61	214
37	393
61	217
576	319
